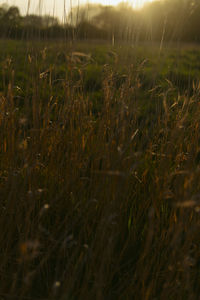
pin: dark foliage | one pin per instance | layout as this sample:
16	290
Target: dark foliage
158	21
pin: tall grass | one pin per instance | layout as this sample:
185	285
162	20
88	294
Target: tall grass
99	199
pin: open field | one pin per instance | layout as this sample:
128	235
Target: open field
99	171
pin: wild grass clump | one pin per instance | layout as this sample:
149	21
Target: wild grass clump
97	201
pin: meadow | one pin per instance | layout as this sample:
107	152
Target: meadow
99	171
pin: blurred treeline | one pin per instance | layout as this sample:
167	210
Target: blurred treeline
164	20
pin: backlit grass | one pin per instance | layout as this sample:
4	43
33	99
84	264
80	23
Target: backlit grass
99	172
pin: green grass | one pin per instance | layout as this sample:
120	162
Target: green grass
99	172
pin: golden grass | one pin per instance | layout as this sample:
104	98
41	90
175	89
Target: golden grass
99	206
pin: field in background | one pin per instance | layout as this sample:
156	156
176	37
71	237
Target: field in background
99	171
176	63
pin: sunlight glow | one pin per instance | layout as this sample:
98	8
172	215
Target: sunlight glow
56	7
134	3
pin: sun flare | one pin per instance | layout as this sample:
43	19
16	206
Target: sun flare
56	7
134	3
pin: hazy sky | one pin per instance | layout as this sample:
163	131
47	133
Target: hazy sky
57	6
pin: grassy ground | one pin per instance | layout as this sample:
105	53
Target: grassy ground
99	172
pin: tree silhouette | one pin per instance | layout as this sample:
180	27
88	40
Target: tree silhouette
161	20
